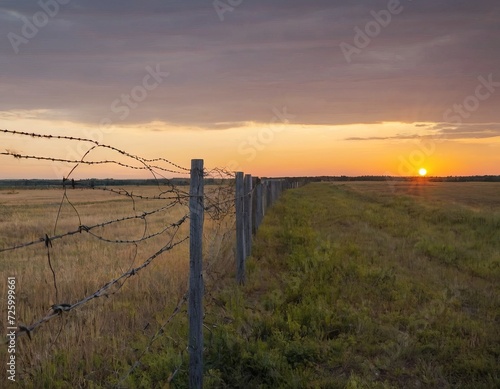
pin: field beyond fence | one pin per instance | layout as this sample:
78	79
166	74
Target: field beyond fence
354	285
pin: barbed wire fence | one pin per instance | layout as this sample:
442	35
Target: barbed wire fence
227	203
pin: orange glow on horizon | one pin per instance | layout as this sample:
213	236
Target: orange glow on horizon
272	150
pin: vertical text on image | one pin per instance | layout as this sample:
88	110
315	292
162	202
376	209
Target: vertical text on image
11	328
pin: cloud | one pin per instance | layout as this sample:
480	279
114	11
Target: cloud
468	131
264	54
443	131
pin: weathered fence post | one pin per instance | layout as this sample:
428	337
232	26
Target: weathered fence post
269	194
195	309
259	210
248	215
240	229
254	205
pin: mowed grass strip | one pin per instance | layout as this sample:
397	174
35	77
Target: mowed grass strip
351	286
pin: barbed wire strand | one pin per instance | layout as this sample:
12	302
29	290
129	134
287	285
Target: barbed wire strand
48	245
65	196
143	238
96	143
83	228
180	194
59	308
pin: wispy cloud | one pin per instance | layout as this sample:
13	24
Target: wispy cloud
443	131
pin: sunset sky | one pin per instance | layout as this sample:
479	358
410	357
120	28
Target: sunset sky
273	88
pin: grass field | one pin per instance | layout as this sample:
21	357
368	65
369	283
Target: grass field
364	285
98	342
350	285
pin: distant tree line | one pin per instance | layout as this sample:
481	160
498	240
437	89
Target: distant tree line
88	183
103	182
466	178
485	178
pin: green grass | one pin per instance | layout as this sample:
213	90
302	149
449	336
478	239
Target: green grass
362	289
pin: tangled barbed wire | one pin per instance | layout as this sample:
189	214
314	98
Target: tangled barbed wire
145	164
59	308
169	196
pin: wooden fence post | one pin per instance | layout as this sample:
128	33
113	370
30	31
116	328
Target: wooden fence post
254	205
195	309
273	191
269	193
264	197
248	215
240	229
259	210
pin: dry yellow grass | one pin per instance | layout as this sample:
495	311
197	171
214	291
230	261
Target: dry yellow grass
105	328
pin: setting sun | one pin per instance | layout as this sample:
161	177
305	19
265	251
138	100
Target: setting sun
422	172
